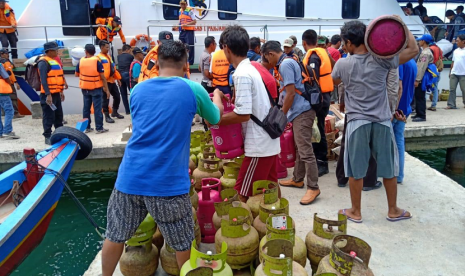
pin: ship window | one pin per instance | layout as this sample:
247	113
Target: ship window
227	5
350	9
76	12
171	12
295	8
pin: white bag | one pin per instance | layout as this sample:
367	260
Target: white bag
445	45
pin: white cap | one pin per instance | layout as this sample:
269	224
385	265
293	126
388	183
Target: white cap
282	256
273	208
209	253
288	42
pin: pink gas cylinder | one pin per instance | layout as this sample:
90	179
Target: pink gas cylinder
282	171
228	139
386	36
287	155
207	197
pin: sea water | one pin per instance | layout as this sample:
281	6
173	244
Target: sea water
71	242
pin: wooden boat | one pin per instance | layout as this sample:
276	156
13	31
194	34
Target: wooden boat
29	193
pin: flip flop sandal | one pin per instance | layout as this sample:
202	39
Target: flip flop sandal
351	219
451	107
401	217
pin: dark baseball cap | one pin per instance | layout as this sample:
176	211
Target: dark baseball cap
117	20
4	51
459	8
136	51
164	36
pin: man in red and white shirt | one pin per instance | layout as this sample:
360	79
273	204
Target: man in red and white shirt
335	45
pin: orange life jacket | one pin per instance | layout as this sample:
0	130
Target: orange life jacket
55	79
325	80
220	67
5	87
9	67
89	76
107	31
7	18
111	74
150	61
185	18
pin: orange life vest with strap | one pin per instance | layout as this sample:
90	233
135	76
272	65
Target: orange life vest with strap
107	31
9	67
148	68
109	67
55	79
89	76
325	80
220	67
7	18
185	18
5	87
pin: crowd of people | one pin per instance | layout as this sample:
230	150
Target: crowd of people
378	96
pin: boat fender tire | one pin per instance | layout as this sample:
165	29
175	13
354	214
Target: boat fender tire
84	142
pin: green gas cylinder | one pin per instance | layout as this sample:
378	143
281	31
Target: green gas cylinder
260	189
319	240
201	271
217	262
231	171
208	168
348	256
241	238
277	260
140	257
265	210
282	227
229	198
204	148
193	195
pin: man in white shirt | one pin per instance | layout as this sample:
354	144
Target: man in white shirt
457	72
251	98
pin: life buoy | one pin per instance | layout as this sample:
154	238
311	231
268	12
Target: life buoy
137	40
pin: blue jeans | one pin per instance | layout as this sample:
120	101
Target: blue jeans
436	92
399	128
93	97
7	106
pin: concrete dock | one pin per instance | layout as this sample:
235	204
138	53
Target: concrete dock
430	244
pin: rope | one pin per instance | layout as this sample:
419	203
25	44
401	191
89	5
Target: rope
78	203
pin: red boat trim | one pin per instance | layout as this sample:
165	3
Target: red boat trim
47	159
51	210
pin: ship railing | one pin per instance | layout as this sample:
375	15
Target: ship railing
265	29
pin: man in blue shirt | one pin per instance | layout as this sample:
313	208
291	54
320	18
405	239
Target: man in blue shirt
254	49
153	176
407	76
300	113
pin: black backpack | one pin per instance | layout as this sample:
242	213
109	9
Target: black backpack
312	92
32	75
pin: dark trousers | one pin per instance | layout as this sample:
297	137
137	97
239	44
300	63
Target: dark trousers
10	39
14	99
369	180
321	149
93	97
188	37
420	102
49	117
208	88
124	91
114	91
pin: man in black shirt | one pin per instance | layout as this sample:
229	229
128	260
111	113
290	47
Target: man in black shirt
420	10
124	62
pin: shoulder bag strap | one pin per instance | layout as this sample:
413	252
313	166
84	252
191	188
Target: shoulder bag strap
255	119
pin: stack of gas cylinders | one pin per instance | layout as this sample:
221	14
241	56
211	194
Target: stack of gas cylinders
253	238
